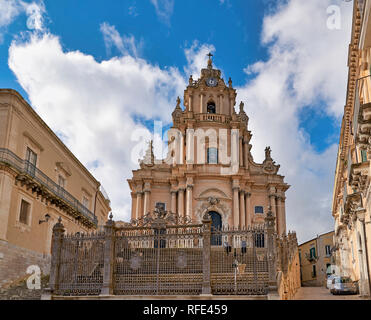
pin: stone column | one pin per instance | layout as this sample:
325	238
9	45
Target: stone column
139	205
206	247
246	153
173	201
248	213
190	154
189	212
190	101
181	202
201	102
147	198
242	210
220	103
5	199
109	247
271	255
281	215
57	241
236	209
241	152
272	204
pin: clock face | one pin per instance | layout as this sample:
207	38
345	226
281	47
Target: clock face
212	82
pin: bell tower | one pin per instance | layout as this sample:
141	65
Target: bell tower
209	94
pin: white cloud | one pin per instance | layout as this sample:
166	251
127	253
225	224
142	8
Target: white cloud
126	44
196	56
10	9
94	104
164	9
307	64
35	12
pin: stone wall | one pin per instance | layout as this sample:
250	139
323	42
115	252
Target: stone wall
288	266
15	260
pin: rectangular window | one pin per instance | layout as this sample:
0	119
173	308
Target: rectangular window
31	158
364	155
85	202
259	210
212	155
312	252
24	212
61	181
314	271
328	250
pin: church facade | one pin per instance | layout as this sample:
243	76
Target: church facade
209	167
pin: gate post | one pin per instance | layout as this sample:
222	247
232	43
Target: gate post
271	247
109	247
57	241
206	240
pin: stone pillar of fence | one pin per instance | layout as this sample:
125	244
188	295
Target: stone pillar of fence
109	250
56	250
271	247
206	281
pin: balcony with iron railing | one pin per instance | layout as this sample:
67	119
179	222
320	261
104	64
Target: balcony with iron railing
40	183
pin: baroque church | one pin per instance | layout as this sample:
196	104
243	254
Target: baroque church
209	167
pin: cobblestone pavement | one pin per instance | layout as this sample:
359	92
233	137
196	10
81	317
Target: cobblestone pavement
321	293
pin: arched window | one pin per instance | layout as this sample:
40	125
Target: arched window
216	226
211	107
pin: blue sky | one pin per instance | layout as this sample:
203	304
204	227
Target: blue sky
288	68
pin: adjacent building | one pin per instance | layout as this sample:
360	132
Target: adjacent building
209	167
351	206
315	258
40	181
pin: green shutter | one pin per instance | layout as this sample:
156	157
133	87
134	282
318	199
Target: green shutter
364	155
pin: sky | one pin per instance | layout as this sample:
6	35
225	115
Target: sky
99	75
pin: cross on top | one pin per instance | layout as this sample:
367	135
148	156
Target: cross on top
209	55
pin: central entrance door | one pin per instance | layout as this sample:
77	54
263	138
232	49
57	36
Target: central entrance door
216	226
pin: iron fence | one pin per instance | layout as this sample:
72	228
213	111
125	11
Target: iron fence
162	257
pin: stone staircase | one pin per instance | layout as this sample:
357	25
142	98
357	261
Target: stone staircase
19	291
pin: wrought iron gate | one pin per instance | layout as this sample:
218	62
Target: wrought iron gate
165	261
163	256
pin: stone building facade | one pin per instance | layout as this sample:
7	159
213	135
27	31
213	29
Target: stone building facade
351	207
316	259
209	167
40	181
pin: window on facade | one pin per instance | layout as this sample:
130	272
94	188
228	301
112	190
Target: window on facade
328	250
312	252
24	212
161	206
314	271
259	210
61	181
31	158
212	155
300	256
211	107
364	155
259	240
85	202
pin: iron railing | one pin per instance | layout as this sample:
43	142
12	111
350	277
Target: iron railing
25	167
161	257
